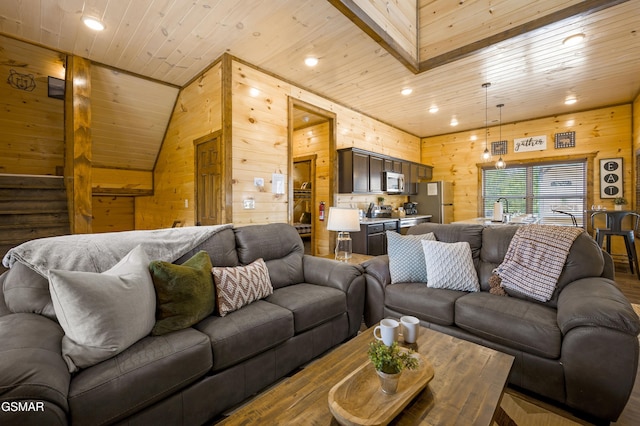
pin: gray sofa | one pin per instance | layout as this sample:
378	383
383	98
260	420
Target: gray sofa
188	376
579	349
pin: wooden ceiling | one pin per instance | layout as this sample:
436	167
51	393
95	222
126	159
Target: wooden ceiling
514	44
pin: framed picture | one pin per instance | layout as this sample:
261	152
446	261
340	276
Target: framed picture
611	178
499	148
565	140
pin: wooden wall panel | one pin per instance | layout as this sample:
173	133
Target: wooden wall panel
32	136
111	213
120	181
197	113
606	132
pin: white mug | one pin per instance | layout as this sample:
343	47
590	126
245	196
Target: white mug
410	328
389	331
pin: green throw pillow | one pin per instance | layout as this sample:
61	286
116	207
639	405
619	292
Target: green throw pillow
184	293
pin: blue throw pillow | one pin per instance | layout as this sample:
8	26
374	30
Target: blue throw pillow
406	257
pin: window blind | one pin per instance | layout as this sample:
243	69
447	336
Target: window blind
544	190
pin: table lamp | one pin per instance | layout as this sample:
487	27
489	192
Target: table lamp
344	221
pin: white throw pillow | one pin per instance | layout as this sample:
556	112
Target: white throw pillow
102	314
406	258
450	266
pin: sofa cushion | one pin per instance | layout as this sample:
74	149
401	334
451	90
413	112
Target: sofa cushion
32	367
453	233
246	332
449	265
279	244
238	286
311	304
149	371
406	258
27	291
184	293
102	314
221	247
516	323
429	304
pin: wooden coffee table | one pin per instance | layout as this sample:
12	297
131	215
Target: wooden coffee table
465	390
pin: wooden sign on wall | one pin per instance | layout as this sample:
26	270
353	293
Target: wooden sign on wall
611	177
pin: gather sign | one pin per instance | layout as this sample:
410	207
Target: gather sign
532	143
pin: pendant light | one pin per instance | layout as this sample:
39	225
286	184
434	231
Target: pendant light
486	155
500	164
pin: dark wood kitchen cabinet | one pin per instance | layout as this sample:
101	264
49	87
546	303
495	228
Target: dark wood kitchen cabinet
376	166
372	238
362	172
353	171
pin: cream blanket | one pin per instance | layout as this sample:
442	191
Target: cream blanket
99	252
535	259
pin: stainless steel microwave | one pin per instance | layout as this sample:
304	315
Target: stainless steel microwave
393	183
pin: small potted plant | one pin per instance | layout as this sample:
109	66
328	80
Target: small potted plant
389	361
380	201
619	202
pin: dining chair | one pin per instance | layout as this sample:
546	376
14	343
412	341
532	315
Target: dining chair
571	215
615	226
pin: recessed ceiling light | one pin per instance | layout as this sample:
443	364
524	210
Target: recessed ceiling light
93	23
570	101
573	39
434	109
253	92
311	61
407	91
473	137
454	122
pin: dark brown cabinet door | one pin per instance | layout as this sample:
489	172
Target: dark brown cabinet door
360	172
377	244
376	166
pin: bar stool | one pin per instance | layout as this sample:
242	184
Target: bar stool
614	219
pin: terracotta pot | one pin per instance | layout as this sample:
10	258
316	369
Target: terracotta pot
389	382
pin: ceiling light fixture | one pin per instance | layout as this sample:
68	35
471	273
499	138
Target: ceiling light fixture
93	23
570	101
486	155
434	109
311	61
500	164
454	122
573	39
407	91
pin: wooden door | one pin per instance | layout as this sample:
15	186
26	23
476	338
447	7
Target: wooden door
208	180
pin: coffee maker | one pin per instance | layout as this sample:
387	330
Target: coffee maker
410	208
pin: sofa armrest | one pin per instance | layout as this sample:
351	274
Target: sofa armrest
599	346
377	277
609	270
596	302
342	276
32	369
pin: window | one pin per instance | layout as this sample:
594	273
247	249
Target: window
541	189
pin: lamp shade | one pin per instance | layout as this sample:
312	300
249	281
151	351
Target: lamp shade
343	220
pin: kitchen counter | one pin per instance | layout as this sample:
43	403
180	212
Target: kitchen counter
486	221
369	221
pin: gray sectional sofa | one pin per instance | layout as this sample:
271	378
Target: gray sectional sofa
580	348
187	376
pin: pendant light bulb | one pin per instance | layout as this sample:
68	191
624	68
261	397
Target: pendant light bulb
500	164
486	155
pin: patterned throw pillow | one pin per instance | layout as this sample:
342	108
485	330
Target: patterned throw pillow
241	285
406	258
450	266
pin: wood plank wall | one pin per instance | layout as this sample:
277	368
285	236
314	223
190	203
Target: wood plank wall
32	136
112	213
197	113
605	131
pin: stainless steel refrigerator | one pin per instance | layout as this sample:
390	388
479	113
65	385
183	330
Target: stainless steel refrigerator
436	199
